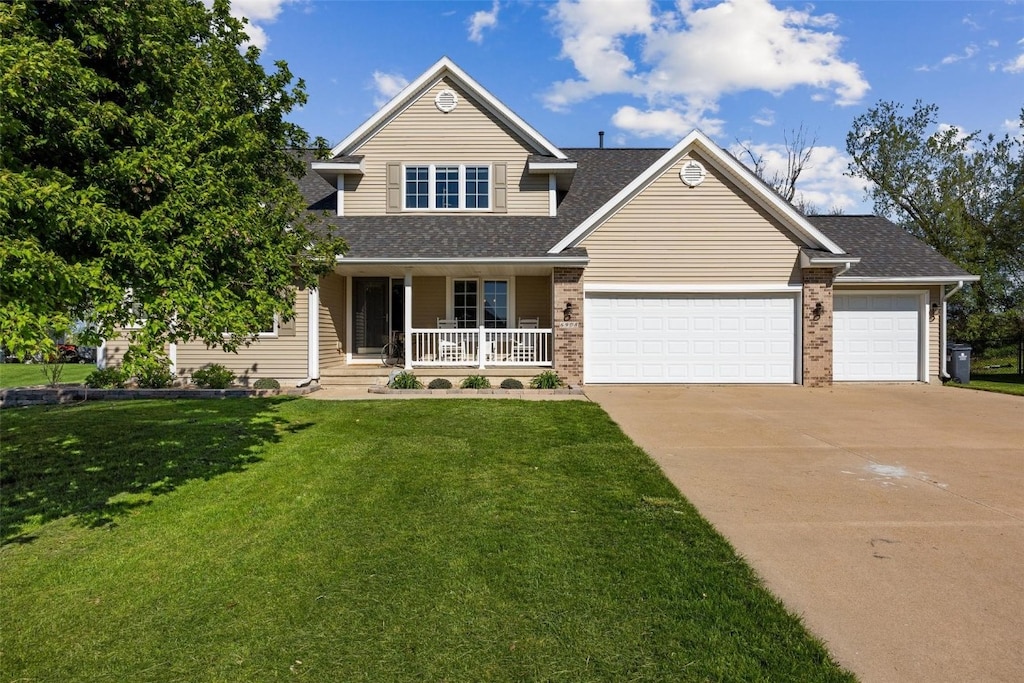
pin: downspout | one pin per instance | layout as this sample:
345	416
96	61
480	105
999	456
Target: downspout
841	272
172	356
312	338
943	324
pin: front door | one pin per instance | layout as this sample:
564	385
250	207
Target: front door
371	299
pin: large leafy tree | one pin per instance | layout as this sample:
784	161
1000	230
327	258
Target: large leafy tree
963	194
146	175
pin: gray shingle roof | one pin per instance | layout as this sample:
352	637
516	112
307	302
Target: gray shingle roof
886	250
601	173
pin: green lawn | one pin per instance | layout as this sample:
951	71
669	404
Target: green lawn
456	540
1004	384
31	374
996	369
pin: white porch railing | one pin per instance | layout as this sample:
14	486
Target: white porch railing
462	348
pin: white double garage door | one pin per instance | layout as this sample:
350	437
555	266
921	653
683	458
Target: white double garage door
632	338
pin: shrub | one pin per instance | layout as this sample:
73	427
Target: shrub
151	370
548	379
511	383
476	382
439	383
107	378
406	380
213	376
154	378
266	383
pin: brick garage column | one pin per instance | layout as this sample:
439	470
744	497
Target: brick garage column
568	335
817	341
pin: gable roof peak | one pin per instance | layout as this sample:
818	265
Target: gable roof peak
445	67
746	179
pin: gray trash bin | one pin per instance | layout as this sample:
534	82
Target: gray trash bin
958	362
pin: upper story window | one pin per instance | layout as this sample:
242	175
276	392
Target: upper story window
447	186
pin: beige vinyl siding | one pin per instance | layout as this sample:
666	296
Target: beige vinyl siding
115	348
333	300
709	234
429	301
421	134
533	299
284	358
935	359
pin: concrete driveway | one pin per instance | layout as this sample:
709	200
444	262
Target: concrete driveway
890	517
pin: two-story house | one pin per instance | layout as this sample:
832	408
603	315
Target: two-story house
481	244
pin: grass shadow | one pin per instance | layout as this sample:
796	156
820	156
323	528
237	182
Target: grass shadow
998	378
97	462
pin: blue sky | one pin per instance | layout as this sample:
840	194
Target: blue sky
648	72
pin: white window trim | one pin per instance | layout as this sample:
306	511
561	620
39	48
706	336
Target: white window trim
432	188
273	333
136	323
451	297
510	283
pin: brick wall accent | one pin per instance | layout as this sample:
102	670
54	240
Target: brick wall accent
817	341
568	340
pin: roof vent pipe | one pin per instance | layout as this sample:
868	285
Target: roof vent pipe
600	139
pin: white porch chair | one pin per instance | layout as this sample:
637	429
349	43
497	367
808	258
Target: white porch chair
524	349
449	349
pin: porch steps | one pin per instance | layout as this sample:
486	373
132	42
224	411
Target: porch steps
368	376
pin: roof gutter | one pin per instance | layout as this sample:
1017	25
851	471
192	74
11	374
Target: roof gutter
923	280
448	261
845	261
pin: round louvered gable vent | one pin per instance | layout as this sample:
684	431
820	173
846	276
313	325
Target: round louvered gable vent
446	101
692	173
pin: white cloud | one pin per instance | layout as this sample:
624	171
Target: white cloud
257	12
968	52
823	183
387	86
690	57
663	123
593	36
1016	66
482	20
765	117
1015	129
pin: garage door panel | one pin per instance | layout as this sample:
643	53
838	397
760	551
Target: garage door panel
679	338
876	337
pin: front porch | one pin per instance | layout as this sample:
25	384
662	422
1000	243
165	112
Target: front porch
477	348
444	318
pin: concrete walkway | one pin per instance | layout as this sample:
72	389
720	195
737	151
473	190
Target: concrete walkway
890	517
357	393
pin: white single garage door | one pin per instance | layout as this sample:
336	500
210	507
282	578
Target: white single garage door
876	337
688	339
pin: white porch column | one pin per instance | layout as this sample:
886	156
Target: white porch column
407	317
313	338
481	348
172	356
